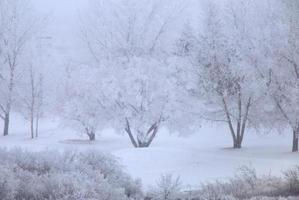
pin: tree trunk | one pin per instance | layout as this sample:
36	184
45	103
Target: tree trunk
142	144
32	122
154	129
295	140
6	124
238	143
36	125
230	124
150	135
128	130
239	121
32	127
92	136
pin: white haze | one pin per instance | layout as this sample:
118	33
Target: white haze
194	88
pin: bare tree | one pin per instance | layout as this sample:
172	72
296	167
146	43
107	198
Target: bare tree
18	26
32	100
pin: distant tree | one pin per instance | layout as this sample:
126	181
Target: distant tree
31	98
84	105
18	26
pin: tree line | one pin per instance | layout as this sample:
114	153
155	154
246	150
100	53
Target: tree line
147	64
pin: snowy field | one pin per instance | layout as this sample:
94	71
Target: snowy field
204	156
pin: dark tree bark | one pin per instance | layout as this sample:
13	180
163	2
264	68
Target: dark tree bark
295	140
88	130
36	125
32	126
12	65
128	130
150	134
91	135
6	124
238	143
295	129
238	133
229	121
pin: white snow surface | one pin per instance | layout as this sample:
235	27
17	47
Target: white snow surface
202	157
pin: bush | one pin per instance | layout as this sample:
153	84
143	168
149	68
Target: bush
291	186
168	188
245	185
51	175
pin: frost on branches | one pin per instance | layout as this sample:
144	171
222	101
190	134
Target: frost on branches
64	176
130	82
222	75
18	25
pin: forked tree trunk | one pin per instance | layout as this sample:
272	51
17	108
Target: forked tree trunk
6	124
92	136
238	143
295	140
150	134
238	133
142	144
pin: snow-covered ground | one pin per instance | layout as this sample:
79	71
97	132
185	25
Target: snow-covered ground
204	156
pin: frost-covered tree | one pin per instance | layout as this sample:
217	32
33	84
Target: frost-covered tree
18	25
142	99
129	44
283	76
30	86
30	98
82	106
222	73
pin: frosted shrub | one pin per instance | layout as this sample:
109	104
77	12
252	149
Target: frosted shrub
243	184
7	183
246	185
273	198
292	181
64	176
168	188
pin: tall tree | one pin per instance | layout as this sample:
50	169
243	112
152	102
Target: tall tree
283	74
30	98
222	75
130	44
18	25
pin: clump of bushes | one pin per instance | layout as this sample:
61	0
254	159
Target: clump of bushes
50	175
245	185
